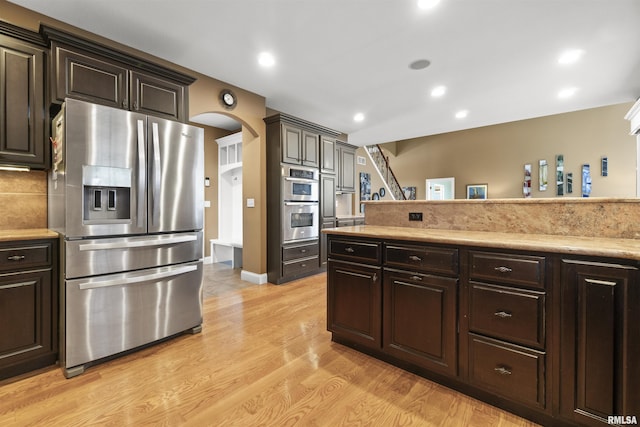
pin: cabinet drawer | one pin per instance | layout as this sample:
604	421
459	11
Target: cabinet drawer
507	268
16	257
508	313
355	250
299	251
511	371
301	266
422	258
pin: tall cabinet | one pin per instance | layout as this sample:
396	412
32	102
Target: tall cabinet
293	141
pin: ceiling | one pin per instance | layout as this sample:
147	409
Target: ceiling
335	58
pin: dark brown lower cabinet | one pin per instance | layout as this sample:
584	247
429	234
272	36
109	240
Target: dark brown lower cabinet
354	302
28	307
419	322
550	338
599	342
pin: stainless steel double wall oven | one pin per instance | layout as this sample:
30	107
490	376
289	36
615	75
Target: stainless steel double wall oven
300	192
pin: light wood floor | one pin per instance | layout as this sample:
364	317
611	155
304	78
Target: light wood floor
264	358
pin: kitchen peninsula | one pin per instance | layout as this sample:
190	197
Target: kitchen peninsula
530	305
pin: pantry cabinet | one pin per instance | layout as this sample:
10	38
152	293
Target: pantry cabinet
22	123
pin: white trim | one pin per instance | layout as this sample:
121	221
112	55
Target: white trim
384	181
258	279
634	117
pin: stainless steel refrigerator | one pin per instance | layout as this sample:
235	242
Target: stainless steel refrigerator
126	195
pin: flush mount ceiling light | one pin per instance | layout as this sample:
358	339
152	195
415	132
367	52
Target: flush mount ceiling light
438	91
358	117
567	92
419	64
427	4
570	56
462	114
266	59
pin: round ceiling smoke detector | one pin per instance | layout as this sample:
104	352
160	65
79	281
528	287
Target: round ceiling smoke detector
420	64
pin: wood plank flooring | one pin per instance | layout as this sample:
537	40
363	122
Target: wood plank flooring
264	358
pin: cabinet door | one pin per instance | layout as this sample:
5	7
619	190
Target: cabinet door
22	139
420	319
158	97
291	145
311	151
354	302
347	169
328	154
328	196
600	342
83	76
26	316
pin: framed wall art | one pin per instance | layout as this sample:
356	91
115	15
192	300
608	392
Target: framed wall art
477	191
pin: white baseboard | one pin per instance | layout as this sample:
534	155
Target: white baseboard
208	260
258	279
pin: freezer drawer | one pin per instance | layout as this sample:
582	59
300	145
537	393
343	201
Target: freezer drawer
106	315
92	257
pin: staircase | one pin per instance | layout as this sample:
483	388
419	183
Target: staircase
382	165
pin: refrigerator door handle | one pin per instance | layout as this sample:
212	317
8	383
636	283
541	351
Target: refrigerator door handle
174	271
142	161
137	243
157	173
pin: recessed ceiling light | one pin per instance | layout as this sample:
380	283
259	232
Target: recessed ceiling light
266	59
567	92
419	64
358	117
438	91
462	114
570	56
427	4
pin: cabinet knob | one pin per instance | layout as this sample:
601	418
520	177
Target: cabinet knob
415	258
16	258
503	269
502	370
416	278
349	249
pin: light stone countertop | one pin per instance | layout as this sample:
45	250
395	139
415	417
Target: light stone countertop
574	245
27	234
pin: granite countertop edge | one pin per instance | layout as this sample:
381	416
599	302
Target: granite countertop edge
27	234
573	245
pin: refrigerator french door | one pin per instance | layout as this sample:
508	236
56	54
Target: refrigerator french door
127	198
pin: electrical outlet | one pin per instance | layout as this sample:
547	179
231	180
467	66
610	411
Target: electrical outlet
415	216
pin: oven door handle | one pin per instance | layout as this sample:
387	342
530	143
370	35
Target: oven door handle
137	243
311	181
300	203
176	271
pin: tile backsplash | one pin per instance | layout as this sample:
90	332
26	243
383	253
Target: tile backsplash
23	200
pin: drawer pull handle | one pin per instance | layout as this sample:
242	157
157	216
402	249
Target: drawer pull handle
303	251
502	314
415	258
350	250
416	278
502	370
16	258
503	269
303	265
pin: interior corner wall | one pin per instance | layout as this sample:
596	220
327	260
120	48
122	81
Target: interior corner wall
496	155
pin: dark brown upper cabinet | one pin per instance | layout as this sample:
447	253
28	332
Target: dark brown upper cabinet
97	73
22	122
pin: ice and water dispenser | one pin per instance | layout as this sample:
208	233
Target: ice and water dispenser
107	194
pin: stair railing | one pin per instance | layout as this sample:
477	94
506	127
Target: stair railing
381	163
